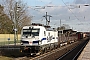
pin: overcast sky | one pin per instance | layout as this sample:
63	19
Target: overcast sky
65	10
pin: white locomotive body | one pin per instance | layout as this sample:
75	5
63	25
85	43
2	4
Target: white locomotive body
38	39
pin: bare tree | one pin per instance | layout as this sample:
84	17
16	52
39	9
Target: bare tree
17	12
5	22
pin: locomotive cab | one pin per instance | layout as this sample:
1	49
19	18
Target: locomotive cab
31	39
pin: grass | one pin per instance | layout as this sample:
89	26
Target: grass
5	58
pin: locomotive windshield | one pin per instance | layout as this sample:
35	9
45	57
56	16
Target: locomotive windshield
31	32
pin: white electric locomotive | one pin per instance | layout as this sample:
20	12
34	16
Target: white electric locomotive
38	39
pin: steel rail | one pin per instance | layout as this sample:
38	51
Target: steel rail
77	54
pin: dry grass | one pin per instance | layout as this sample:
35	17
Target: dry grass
5	58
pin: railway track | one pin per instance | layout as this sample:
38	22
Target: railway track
16	55
51	55
54	54
75	52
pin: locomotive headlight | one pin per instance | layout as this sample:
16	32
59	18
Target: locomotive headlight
40	42
21	43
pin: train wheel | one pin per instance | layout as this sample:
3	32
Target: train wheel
42	52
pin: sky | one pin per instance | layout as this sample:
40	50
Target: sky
67	11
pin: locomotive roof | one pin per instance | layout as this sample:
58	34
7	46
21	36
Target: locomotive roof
27	27
48	29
